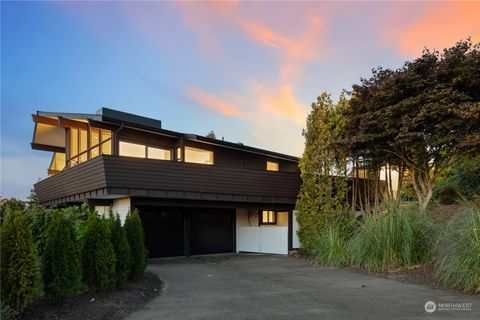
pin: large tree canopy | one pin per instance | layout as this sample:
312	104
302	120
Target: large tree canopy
420	115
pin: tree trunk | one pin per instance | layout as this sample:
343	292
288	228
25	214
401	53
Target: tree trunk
423	185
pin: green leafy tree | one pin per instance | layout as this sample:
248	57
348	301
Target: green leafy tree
211	135
421	115
121	249
98	255
136	240
324	187
18	261
61	260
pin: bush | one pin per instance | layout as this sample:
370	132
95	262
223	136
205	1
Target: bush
458	250
331	245
136	240
61	262
121	249
18	261
98	256
11	204
7	313
39	219
400	237
460	181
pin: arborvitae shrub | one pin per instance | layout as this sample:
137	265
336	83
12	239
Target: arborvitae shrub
98	256
121	249
39	219
18	261
136	240
61	260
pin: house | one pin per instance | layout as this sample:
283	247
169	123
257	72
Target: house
195	195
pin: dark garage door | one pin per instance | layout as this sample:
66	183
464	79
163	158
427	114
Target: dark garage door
163	231
208	230
211	231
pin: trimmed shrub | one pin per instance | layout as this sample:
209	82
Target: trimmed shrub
121	249
18	261
39	219
400	237
61	261
136	240
98	256
458	250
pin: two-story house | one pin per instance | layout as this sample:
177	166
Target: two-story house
195	195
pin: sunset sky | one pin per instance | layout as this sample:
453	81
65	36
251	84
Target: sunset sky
248	71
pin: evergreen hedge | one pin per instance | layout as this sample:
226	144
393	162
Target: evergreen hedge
136	240
121	249
61	261
18	261
98	255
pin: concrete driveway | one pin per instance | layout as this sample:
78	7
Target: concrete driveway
281	287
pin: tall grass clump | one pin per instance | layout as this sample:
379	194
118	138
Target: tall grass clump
458	252
331	245
395	238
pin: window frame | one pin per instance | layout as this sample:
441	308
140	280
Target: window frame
147	145
260	217
184	159
274	162
75	159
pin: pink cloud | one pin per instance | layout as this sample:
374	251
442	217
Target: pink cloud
441	25
211	102
281	102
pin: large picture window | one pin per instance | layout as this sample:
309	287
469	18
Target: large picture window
128	149
81	149
196	155
159	153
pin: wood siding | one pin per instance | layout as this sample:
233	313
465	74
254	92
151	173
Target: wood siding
84	178
169	179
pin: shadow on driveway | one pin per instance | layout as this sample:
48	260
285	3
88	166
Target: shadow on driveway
241	286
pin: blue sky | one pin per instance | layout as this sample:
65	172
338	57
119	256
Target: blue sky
248	71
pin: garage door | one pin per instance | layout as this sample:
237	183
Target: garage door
211	231
163	231
208	230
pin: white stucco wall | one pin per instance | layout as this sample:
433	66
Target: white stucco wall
120	206
264	238
295	240
102	210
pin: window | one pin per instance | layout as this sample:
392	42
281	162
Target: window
86	144
196	155
132	149
159	153
268	217
272	166
57	164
